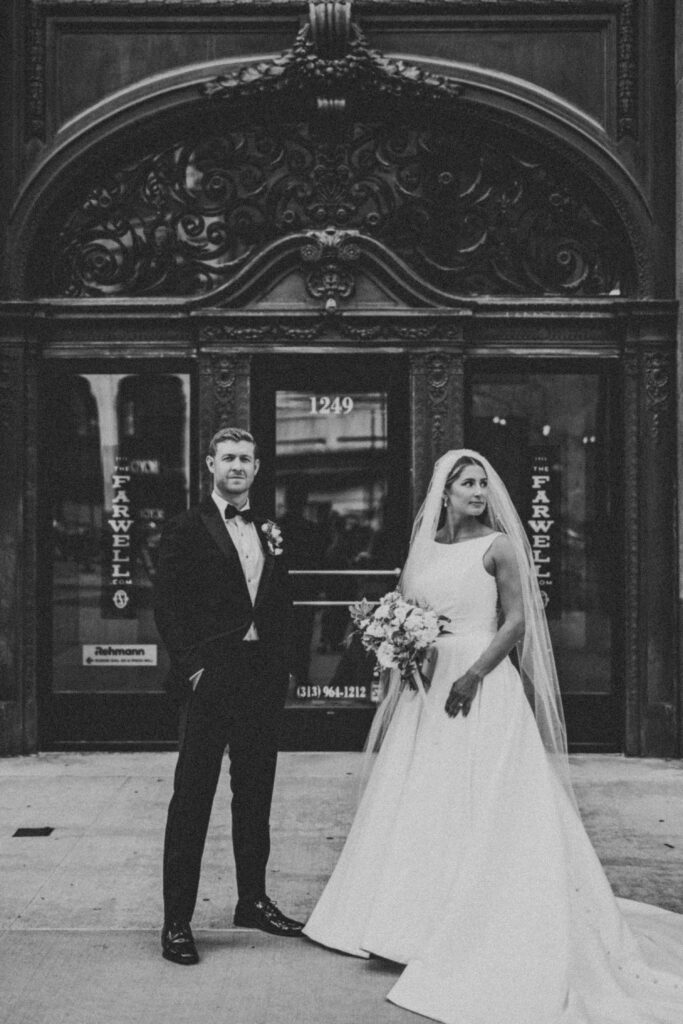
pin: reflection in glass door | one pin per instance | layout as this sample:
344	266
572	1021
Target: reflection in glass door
549	436
331	491
117	466
338	487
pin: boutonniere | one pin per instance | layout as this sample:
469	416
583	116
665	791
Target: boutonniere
273	536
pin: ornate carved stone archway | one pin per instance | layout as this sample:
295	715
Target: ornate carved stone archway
331	161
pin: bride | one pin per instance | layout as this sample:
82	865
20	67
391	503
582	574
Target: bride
467	860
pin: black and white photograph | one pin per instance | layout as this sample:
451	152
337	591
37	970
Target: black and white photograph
340	511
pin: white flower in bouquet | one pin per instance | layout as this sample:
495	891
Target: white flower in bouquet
426	629
401	614
386	655
375	629
397	632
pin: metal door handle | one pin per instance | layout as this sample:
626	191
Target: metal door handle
328	604
344	572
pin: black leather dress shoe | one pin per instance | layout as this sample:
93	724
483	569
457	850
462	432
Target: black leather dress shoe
265	915
177	943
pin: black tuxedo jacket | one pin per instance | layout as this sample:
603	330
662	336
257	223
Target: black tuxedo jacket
202	602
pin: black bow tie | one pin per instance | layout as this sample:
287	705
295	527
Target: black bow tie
246	513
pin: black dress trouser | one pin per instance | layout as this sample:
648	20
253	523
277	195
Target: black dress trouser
237	705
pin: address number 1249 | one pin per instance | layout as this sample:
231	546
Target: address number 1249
326	405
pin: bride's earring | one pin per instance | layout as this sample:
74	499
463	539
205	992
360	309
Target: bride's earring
445	501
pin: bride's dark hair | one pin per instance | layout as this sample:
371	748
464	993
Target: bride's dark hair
464	460
456	471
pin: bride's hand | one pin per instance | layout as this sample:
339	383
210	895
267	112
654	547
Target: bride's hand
463	692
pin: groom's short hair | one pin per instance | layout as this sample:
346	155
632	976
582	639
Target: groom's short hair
231	434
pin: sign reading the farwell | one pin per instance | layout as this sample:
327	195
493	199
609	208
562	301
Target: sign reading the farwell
118	594
543	525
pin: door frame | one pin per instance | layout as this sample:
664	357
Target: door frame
98	720
334	728
594	721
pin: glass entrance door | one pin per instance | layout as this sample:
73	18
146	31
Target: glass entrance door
549	434
338	485
115	466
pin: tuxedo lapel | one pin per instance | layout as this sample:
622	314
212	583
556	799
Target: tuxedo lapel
215	526
211	519
269	562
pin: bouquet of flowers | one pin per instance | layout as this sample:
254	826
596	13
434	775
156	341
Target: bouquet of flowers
397	632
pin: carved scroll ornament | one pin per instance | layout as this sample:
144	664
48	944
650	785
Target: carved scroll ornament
468	210
224	386
437	405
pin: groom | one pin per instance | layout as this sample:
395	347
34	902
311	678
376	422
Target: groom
223	609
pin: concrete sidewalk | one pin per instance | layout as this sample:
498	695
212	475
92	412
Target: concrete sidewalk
80	909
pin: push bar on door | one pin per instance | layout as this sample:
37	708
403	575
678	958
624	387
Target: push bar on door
344	572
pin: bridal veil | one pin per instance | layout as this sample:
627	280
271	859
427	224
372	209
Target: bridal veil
534	652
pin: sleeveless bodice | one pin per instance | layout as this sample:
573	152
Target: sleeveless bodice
453	581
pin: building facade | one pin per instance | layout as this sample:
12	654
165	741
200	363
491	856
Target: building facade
371	235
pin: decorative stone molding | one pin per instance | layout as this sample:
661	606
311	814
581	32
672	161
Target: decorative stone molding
331	61
468	209
239	331
637	238
224	391
188	220
31	627
330	23
632	675
437	395
649	531
627	69
526	330
658	382
330	35
331	278
35	71
658	578
7	392
437	408
18	530
227	373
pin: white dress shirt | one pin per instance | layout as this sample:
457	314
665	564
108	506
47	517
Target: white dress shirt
246	539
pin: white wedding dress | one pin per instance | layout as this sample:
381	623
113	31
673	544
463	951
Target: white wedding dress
468	862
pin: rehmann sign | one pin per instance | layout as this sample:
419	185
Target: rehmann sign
119	654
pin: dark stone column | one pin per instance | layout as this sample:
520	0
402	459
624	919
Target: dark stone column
652	688
631	495
659	582
224	389
18	618
437	407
